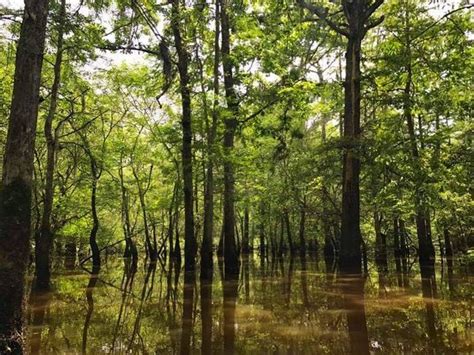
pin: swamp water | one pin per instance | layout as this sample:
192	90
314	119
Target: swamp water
281	307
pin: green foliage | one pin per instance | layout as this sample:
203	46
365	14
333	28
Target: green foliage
287	154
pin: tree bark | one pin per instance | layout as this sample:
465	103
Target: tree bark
208	229
291	243
357	13
302	230
190	245
246	232
95	218
15	195
130	248
44	237
380	243
171	218
351	238
425	244
230	124
151	248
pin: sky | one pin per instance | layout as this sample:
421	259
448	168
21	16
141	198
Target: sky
106	59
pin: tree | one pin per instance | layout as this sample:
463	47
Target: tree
358	21
44	237
190	246
15	195
230	123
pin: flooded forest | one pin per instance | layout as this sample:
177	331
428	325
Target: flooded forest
236	177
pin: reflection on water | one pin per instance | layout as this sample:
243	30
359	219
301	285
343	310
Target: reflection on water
278	306
352	288
90	305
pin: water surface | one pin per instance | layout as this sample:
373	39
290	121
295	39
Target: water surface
280	307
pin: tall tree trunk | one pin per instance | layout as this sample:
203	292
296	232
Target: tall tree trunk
302	230
208	229
15	194
380	243
357	13
351	238
289	234
151	248
44	237
282	246
262	241
95	219
190	244
130	248
425	243
171	217
448	247
397	250
328	249
230	125
246	232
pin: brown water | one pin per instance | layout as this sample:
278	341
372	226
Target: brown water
288	307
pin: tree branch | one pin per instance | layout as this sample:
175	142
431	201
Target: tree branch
323	15
372	8
128	48
442	18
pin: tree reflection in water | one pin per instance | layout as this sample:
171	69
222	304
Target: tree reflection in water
38	308
206	315
187	319
352	288
90	305
230	288
277	306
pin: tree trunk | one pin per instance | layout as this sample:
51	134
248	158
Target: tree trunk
380	243
171	217
190	245
289	234
95	221
130	248
207	244
262	241
151	249
425	244
357	14
44	237
282	247
15	195
246	233
351	238
302	231
177	246
230	125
